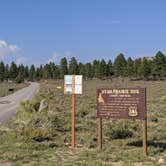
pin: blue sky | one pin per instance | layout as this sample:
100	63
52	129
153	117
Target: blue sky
38	31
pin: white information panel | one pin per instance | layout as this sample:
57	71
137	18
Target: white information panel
68	89
68	79
78	79
78	89
73	84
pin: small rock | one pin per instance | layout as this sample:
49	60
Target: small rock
161	161
43	105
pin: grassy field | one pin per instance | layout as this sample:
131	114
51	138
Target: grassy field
43	138
4	88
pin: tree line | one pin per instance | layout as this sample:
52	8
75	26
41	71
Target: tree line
140	68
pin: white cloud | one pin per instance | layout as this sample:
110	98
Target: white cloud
7	49
69	54
3	43
13	48
56	57
11	52
20	60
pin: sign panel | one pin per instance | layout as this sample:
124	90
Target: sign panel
78	89
68	79
121	103
68	89
78	84
78	79
73	84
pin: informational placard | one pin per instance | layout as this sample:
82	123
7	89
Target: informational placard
73	84
68	79
121	103
78	84
78	79
78	89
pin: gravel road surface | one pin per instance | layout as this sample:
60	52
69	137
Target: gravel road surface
9	104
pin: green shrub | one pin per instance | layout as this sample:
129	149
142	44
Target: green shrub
154	119
121	134
41	134
29	107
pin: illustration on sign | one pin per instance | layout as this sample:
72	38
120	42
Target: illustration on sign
133	111
100	99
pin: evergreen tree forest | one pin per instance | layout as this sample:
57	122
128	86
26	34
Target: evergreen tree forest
153	68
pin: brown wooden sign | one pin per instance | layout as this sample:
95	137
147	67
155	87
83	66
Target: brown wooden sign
121	103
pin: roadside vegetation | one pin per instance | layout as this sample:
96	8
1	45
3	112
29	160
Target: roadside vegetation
43	138
7	88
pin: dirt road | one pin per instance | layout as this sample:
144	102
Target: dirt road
9	104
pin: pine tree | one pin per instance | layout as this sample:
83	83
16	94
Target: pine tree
54	71
21	70
19	78
102	69
137	64
63	67
32	73
26	72
13	71
82	69
2	71
73	66
52	68
6	74
130	67
41	72
159	65
88	70
120	65
37	73
110	70
96	69
144	69
47	71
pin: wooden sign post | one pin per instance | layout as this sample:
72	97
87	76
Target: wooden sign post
73	86
122	103
100	133
73	122
144	137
